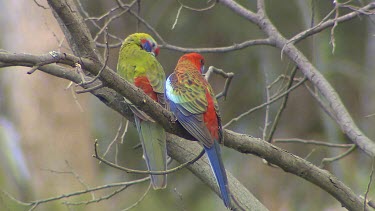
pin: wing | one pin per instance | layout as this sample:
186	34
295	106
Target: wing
143	70
187	100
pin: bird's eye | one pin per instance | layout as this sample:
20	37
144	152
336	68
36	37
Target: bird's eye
202	62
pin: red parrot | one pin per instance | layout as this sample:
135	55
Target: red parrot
193	102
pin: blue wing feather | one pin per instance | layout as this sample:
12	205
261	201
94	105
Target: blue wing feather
217	166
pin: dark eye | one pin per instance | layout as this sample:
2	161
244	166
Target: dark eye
202	62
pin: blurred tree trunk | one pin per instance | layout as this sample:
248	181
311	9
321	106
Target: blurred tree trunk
52	127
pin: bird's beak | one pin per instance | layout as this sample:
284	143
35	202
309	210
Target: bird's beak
202	69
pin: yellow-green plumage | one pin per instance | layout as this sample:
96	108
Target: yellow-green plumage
138	65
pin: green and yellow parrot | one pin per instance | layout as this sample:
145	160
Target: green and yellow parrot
138	65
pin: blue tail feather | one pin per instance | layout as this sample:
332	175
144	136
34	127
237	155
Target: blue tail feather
217	166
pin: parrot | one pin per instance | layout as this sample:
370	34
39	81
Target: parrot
138	65
191	99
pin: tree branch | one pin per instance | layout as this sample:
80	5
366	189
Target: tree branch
342	116
295	165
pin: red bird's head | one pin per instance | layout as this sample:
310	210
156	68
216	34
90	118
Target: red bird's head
196	59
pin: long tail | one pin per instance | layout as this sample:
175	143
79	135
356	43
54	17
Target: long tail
153	137
217	166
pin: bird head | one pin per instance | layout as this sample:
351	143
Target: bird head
196	59
144	41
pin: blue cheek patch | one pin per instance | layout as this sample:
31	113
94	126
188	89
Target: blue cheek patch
147	46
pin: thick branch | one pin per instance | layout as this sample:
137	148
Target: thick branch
74	28
296	165
183	151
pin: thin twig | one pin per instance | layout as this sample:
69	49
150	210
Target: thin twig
125	131
128	170
321	103
229	76
198	9
33	69
370	115
106	52
55	58
93	19
312	142
75	98
78	69
99	86
177	16
126	8
310	153
179	203
114	140
40	5
78	177
267	112
282	107
98	199
140	199
264	104
332	159
333	41
368	185
224	49
34	204
138	13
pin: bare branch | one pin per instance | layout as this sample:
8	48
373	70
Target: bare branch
329	23
312	142
177	16
198	9
282	107
40	5
90	89
128	170
336	158
264	104
341	115
139	200
34	204
229	76
296	165
369	185
106	52
238	46
119	190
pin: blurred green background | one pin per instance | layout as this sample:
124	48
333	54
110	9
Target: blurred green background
46	140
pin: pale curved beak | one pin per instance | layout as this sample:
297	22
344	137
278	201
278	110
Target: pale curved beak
202	69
